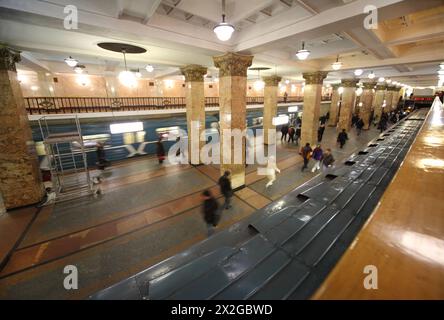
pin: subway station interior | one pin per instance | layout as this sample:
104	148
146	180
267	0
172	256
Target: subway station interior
221	150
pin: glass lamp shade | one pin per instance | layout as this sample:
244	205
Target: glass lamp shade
336	65
358	72
224	31
381	79
302	54
128	79
71	62
371	75
149	68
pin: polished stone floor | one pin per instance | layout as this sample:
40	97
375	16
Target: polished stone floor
146	214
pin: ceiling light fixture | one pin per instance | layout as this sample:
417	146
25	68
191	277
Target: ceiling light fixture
381	79
79	69
359	72
388	81
223	30
303	54
71	62
149	68
127	78
371	75
336	65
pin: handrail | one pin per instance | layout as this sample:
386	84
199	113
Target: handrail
50	105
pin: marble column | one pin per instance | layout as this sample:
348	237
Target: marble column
367	97
195	100
334	107
233	107
270	105
396	95
379	101
312	106
20	181
347	104
389	98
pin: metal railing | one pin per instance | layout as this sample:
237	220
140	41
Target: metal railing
56	105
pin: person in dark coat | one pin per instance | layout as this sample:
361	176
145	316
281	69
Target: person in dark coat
382	126
298	133
306	154
284	131
160	151
321	131
291	133
210	213
327	160
342	138
359	126
102	163
225	189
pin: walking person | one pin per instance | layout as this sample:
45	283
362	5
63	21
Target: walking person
284	132
327	160
306	154
210	213
160	151
321	131
298	133
359	126
342	138
317	157
225	189
291	133
271	171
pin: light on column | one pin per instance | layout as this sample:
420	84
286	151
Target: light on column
341	90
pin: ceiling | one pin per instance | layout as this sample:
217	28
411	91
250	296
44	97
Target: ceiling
406	45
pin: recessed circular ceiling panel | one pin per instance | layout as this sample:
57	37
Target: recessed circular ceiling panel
121	47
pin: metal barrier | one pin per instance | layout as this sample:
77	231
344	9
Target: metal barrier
60	105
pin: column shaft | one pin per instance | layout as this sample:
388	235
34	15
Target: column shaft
388	99
379	101
312	106
367	97
195	101
20	182
270	105
347	104
334	108
233	107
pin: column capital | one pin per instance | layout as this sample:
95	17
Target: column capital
349	83
8	58
194	72
369	85
232	64
314	77
393	88
272	81
381	86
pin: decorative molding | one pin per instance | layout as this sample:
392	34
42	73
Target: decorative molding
369	85
349	83
8	58
381	87
393	88
314	77
233	64
194	73
272	81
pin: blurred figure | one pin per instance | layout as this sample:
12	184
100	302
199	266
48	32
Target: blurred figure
298	133
321	131
225	189
271	171
285	97
359	126
291	133
327	160
306	154
284	131
209	209
160	151
317	157
342	138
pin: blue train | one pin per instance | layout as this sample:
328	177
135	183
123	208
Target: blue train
128	145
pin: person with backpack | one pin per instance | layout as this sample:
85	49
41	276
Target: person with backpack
342	138
306	154
317	157
225	189
210	213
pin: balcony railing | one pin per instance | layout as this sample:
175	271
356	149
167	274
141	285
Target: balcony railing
50	105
